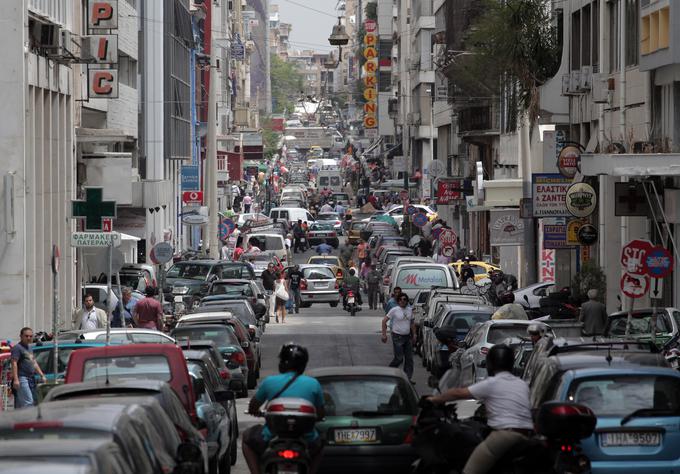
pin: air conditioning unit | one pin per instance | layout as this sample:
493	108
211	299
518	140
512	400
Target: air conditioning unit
416	118
586	82
575	82
601	92
566	85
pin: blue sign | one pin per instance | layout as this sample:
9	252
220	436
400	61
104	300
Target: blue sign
238	49
225	228
420	219
411	210
190	181
555	233
659	262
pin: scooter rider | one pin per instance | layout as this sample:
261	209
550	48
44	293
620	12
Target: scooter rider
351	282
293	360
536	331
507	406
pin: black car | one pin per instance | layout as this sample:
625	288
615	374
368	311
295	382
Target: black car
190	280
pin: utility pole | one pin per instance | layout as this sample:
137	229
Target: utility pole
211	165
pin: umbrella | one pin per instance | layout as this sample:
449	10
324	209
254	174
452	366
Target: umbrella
386	218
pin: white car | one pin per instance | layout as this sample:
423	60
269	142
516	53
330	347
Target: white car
412	277
118	336
398	212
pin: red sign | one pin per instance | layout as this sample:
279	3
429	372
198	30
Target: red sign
449	190
107	225
192	197
370	26
447	241
634	286
633	256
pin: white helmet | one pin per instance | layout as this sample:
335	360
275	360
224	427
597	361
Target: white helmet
536	329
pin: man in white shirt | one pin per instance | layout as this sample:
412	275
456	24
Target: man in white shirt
508	409
89	317
326	208
403	334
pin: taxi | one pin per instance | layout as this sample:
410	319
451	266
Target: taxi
481	269
332	261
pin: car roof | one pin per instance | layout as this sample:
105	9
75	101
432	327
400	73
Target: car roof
208	315
593	359
510	322
122	385
70	412
642	312
422	264
25	448
264	234
196	354
467	307
628	369
233	280
202	326
200	343
357	370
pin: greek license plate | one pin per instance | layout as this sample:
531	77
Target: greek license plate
179	299
287	469
350	300
355	436
631	438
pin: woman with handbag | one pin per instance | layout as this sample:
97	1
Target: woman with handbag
281	295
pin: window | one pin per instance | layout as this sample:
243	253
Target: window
155	367
632	32
345	396
596	33
127	71
585	35
640	324
613	11
220	336
499	333
654	34
576	40
319	273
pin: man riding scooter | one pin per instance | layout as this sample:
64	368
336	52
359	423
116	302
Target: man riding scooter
351	282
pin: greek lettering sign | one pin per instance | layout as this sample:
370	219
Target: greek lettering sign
555	234
549	193
581	199
506	227
95	239
449	190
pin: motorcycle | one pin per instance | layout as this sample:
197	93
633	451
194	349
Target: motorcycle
351	306
554	450
288	419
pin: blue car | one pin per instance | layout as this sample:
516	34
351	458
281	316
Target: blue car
44	356
638	414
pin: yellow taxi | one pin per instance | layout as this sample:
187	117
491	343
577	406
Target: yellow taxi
332	261
481	269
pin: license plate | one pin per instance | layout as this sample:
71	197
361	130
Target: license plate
287	469
630	438
350	301
179	299
354	436
321	285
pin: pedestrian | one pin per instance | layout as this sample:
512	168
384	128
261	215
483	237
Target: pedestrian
247	202
466	272
24	368
340	210
90	317
268	281
229	213
403	334
123	319
148	312
328	207
281	294
361	251
593	315
373	286
392	302
346	253
295	277
224	251
298	236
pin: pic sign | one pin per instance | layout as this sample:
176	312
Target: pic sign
101	49
102	15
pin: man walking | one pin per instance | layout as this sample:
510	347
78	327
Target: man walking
373	286
124	319
403	334
593	315
295	277
298	235
268	281
89	317
247	202
393	301
24	368
148	312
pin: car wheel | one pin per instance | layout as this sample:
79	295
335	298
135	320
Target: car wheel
334	305
252	380
225	463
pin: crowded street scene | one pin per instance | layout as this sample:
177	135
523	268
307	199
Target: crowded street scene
339	236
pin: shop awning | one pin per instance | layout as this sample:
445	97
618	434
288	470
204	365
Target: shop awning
630	164
373	146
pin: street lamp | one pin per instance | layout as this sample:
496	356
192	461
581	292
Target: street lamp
339	37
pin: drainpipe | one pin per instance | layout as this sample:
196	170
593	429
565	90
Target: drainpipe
604	194
622	111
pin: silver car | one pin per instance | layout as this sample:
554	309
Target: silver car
319	285
483	337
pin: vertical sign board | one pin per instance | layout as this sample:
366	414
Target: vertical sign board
370	77
102	15
102	83
102	49
190	180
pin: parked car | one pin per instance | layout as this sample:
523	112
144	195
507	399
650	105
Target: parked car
369	413
260	261
417	276
529	296
233	289
667	324
291	214
483	337
331	218
44	356
323	232
117	336
319	285
210	348
390	255
354	233
242	309
250	344
268	242
188	281
397	213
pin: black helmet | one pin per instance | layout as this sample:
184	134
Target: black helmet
293	357
501	358
507	297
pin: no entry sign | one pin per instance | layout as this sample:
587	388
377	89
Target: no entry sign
658	263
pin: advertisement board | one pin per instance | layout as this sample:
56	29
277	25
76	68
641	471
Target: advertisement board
506	227
549	192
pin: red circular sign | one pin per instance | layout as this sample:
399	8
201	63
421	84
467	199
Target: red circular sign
634	286
633	256
447	241
370	26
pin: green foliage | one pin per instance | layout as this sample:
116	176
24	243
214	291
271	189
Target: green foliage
515	40
270	139
286	85
371	11
590	277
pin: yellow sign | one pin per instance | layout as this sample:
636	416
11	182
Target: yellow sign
370	81
371	67
370	121
370	52
370	39
370	94
572	230
370	108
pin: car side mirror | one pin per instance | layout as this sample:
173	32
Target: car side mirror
224	396
245	344
189	452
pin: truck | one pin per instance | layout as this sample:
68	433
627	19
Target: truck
307	137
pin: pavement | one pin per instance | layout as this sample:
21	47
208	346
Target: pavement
333	338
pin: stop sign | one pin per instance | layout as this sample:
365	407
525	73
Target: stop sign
633	256
447	241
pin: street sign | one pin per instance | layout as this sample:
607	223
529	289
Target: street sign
93	209
95	239
447	242
656	292
587	234
437	169
161	253
633	256
449	190
192	197
411	210
569	161
581	199
634	286
419	219
658	263
370	26
225	228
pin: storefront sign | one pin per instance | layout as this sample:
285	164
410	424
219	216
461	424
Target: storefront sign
569	161
449	190
555	234
549	193
573	227
547	266
101	49
506	227
102	15
581	199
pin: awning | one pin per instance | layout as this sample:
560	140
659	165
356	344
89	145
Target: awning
372	147
396	150
630	164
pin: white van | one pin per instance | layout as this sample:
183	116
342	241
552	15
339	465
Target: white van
413	277
291	214
331	179
273	243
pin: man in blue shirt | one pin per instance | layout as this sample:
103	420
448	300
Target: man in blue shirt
129	302
324	249
293	360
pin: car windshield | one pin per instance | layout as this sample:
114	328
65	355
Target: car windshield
621	395
328	216
235	271
357	225
240	310
136	281
191	271
324	260
321	226
498	334
266	242
340	197
640	324
345	396
318	273
464	321
231	289
421	277
113	369
221	336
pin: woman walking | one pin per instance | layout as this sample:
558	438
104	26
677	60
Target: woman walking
281	294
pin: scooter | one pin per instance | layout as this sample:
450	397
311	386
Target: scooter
555	450
351	303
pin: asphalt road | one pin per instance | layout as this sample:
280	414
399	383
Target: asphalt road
333	338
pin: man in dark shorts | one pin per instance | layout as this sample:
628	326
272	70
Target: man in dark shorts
292	363
295	277
24	368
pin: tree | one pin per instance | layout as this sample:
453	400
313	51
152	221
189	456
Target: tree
590	277
286	85
270	139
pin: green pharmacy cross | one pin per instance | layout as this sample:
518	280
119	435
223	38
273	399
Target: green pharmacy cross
93	209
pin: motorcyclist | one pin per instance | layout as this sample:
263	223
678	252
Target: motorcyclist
351	282
466	272
508	409
293	360
498	287
509	309
536	331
